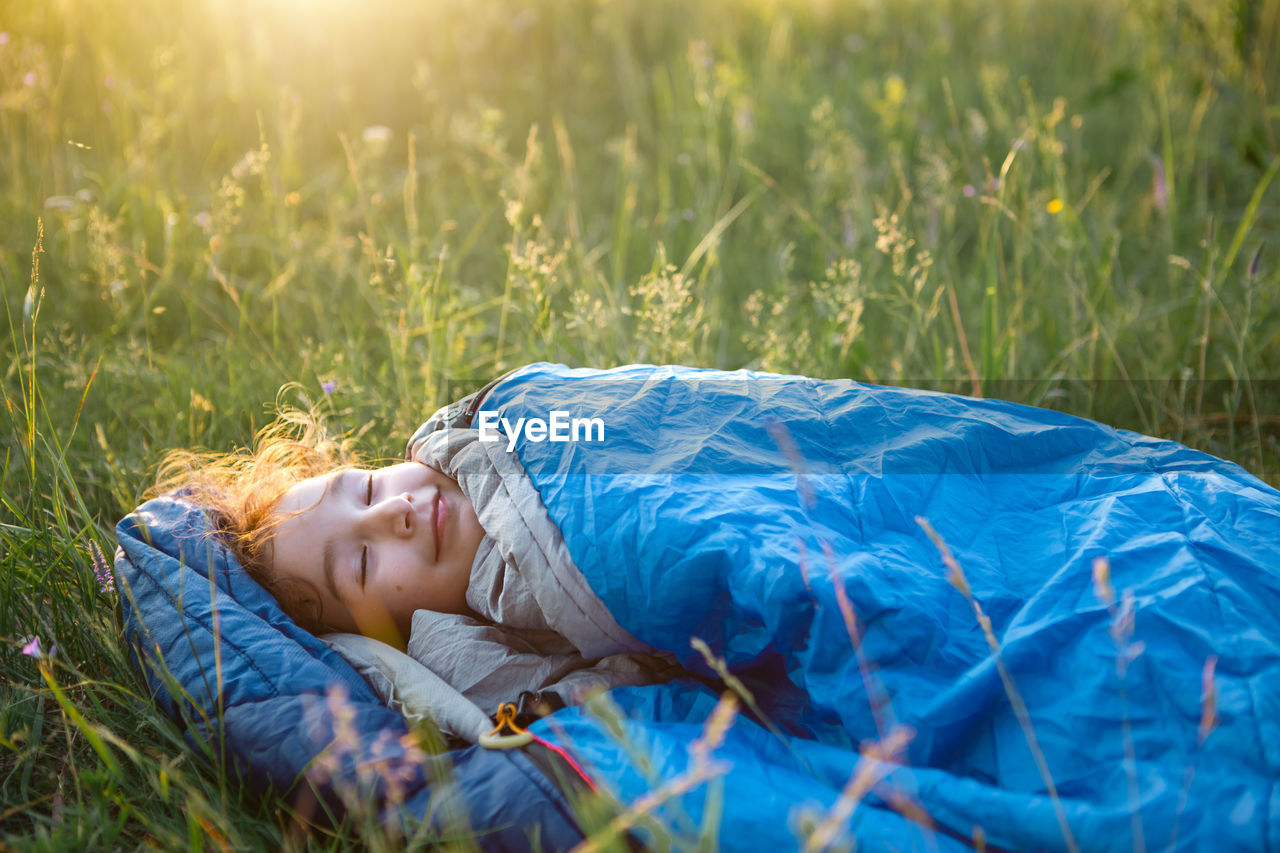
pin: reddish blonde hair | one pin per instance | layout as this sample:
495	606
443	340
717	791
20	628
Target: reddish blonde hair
241	490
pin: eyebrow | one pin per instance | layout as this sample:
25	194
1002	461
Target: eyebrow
329	550
328	568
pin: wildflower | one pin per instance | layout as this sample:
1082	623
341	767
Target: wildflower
413	753
969	191
29	79
1253	262
1102	581
33	649
376	134
327	386
101	571
1159	184
345	737
4	38
1054	206
782	437
895	90
375	764
1208	698
955	574
1122	619
203	219
700	53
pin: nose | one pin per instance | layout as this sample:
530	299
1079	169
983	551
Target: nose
394	515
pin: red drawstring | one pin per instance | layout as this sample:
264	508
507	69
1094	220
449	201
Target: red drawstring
563	753
507	720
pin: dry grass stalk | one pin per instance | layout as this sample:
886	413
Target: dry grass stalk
702	770
878	760
957	579
735	684
878	706
1122	626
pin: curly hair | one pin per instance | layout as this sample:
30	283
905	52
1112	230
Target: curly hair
241	490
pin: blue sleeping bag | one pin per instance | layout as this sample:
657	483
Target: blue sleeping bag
741	508
775	519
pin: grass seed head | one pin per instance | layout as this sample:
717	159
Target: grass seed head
1208	699
1102	581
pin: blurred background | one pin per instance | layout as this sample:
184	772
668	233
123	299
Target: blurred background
382	198
373	207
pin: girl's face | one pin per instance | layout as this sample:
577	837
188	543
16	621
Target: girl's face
378	545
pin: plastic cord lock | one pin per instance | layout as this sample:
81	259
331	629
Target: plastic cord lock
515	736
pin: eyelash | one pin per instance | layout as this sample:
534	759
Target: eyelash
364	550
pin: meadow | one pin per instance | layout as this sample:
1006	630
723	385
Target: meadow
372	208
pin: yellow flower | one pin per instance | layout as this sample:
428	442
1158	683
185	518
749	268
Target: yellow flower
895	91
1054	206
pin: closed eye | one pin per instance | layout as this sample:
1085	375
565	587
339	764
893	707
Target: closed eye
368	493
364	564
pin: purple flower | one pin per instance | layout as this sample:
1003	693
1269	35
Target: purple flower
328	386
1253	263
33	649
101	571
1159	183
969	191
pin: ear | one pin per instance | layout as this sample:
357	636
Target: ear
300	600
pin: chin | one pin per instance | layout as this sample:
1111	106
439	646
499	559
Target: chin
388	633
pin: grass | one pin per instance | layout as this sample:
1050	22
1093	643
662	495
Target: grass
1071	204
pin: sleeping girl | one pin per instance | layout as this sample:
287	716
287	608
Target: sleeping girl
389	553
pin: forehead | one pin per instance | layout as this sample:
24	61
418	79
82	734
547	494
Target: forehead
306	494
303	519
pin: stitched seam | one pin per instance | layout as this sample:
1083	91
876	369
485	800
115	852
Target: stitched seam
186	614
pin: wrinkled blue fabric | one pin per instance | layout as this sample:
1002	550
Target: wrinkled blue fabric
252	689
741	508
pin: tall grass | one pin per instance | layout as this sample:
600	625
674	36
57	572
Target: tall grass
1072	204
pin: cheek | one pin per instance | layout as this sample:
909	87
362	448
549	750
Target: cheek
469	518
